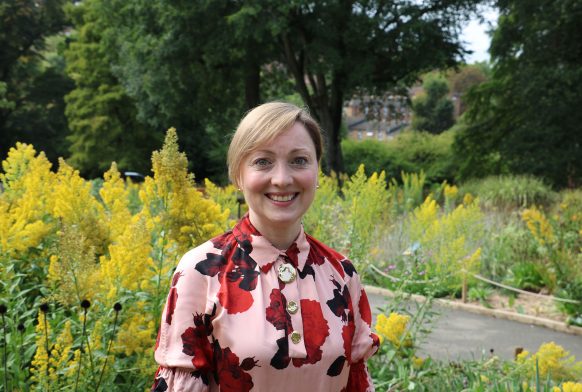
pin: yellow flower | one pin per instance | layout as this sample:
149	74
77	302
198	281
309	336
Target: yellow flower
450	237
522	356
571	387
538	225
26	202
72	271
451	192
484	378
392	327
75	205
417	362
126	268
170	195
468	199
40	361
552	359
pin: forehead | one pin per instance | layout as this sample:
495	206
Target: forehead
296	138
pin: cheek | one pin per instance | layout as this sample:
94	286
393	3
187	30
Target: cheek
309	179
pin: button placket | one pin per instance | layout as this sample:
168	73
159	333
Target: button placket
297	347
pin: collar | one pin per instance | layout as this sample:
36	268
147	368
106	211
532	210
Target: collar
263	252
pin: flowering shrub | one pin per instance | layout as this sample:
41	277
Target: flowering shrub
450	241
97	257
559	240
551	360
111	250
349	218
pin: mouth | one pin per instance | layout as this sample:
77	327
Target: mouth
282	197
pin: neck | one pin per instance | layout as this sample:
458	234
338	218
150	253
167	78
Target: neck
280	237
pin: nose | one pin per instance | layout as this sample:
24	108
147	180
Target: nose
282	176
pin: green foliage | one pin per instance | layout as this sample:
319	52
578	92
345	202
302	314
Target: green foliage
410	152
433	109
184	66
526	276
510	192
404	199
525	119
462	79
32	78
361	202
101	116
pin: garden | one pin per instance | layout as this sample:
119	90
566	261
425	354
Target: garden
86	266
468	189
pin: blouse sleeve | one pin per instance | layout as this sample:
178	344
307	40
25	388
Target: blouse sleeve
183	348
365	343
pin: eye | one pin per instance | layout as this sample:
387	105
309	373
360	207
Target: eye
300	161
261	162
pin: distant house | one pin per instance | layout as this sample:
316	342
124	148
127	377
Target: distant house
378	118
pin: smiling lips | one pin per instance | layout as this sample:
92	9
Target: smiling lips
282	198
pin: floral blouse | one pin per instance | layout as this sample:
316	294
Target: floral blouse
242	315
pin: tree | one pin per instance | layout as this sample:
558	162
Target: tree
32	77
199	66
526	118
102	118
433	109
185	66
335	48
465	77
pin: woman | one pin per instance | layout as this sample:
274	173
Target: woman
265	306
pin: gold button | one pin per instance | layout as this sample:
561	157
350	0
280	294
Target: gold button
287	273
292	307
295	337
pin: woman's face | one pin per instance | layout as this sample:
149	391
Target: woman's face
279	180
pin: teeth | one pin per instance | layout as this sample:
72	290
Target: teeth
281	198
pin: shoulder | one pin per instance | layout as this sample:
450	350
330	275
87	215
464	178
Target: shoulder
211	249
320	252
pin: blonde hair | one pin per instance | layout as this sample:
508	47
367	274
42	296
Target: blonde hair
263	124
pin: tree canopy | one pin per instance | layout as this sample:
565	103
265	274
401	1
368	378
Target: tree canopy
102	118
198	67
433	109
526	118
32	77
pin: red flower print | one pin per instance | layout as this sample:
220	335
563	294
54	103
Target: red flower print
176	278
212	265
232	297
281	358
364	308
237	274
341	303
348	336
348	267
358	379
196	344
157	340
337	366
172	298
292	253
223	241
315	329
276	311
319	252
231	376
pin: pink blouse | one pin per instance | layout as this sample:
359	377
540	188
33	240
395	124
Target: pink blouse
242	315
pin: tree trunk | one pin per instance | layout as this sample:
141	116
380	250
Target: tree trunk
252	84
330	118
